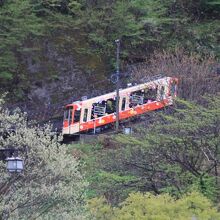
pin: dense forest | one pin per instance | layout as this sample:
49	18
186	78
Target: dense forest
51	40
55	51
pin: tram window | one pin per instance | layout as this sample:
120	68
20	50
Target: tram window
77	116
85	115
71	115
123	104
136	98
110	106
173	88
162	93
150	95
67	112
98	109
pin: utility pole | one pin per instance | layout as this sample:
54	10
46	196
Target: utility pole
117	84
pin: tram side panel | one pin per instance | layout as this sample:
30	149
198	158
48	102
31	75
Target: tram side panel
127	110
88	115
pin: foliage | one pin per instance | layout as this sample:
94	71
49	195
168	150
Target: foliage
197	74
43	7
161	207
137	23
146	25
90	27
17	24
51	186
174	152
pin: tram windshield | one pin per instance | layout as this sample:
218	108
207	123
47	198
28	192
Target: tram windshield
173	88
77	114
68	113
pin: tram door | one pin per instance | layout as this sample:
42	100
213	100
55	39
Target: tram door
75	121
67	119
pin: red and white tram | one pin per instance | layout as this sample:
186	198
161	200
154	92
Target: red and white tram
82	116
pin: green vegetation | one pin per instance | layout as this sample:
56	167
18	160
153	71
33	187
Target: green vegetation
161	207
90	27
169	168
18	24
51	187
173	153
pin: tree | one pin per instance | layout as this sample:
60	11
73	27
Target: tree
172	153
30	29
161	207
43	7
197	74
18	23
139	24
51	186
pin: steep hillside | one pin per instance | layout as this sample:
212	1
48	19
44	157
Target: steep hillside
56	50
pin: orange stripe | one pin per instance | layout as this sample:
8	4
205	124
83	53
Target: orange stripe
123	115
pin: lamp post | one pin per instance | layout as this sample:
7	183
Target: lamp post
117	84
14	163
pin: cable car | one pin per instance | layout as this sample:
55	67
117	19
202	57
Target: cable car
89	114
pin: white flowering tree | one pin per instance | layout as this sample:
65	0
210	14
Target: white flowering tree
51	185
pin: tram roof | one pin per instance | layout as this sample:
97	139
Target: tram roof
125	90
